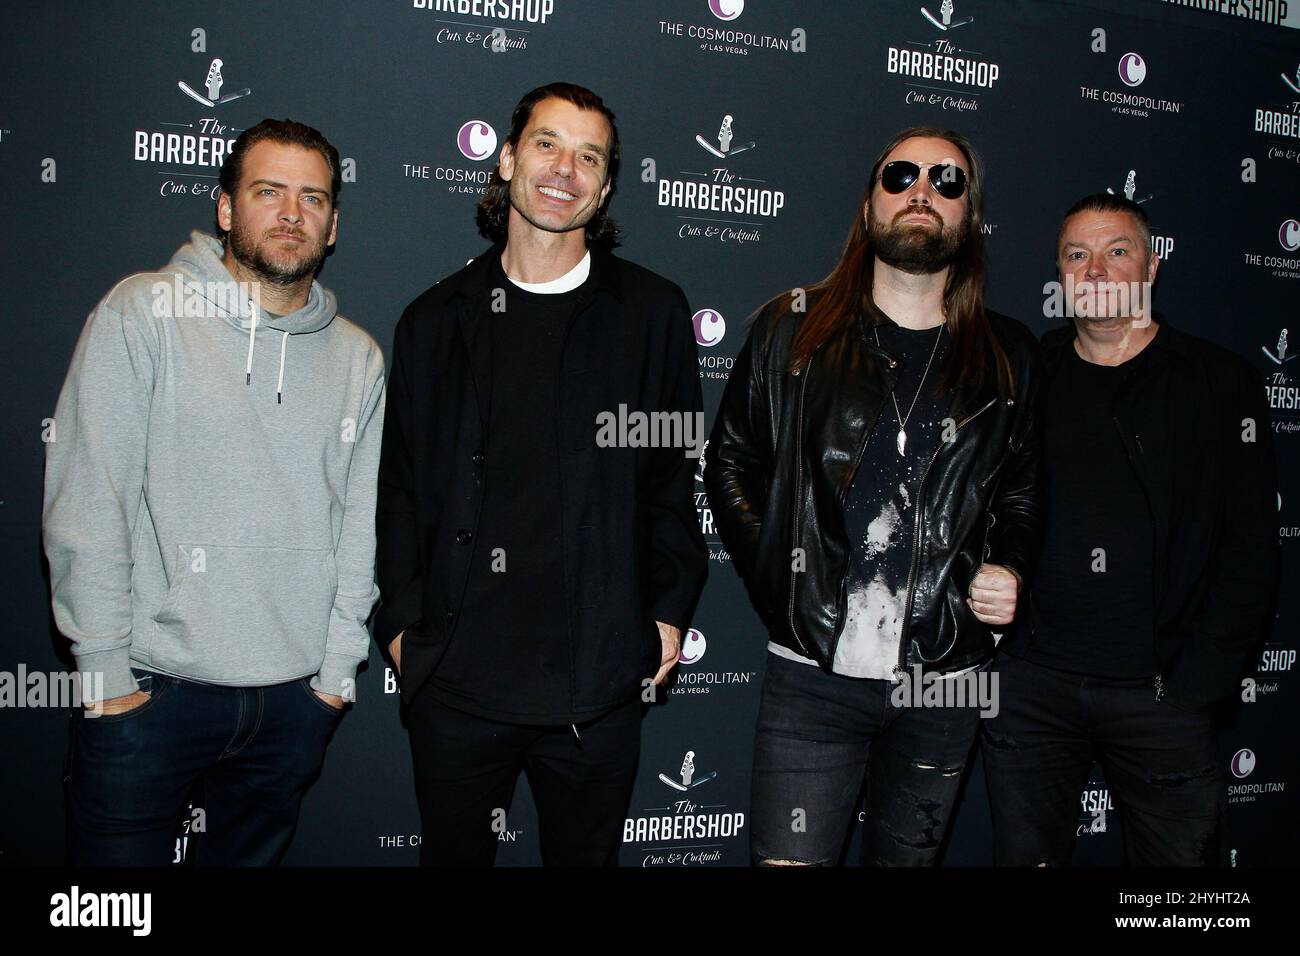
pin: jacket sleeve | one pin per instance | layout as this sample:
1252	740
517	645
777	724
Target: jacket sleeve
738	460
1237	597
397	530
679	556
94	484
347	644
1015	520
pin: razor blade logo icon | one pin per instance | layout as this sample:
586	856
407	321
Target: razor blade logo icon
689	781
724	149
1280	356
1294	84
213	86
945	21
1130	189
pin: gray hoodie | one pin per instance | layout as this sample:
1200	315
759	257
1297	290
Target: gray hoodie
210	484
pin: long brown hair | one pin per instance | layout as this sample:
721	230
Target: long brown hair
975	359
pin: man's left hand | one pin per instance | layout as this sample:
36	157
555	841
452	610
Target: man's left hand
993	593
332	699
671	639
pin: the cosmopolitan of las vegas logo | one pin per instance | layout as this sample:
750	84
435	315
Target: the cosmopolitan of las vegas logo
716	194
729	32
691	678
471	166
498	26
1243	765
936	72
1125	92
189	146
1282	261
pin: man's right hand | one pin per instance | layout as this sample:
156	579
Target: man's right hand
120	705
395	651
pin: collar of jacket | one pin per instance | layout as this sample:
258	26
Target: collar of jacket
1169	342
477	280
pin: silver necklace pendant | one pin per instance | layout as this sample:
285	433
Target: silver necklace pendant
902	443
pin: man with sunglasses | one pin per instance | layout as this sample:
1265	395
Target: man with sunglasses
873	472
1158	565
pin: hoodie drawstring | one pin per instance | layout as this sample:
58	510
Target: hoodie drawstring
248	369
279	382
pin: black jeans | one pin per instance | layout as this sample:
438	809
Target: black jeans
254	750
1161	764
466	768
819	735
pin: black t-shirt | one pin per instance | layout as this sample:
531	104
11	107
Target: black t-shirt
510	656
880	508
1093	596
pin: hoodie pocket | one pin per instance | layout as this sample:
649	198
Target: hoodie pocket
246	615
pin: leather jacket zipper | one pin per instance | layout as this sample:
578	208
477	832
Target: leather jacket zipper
798	472
900	668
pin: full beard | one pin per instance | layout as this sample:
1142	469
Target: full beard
252	256
913	248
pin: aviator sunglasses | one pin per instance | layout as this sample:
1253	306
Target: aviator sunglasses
948	180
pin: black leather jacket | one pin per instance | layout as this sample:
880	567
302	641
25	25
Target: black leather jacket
782	455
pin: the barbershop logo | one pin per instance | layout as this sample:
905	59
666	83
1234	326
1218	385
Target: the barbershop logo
1284	266
1161	245
725	148
1279	355
710	327
212	85
496	26
937	74
476	141
728	202
945	19
185	151
733	40
1280	121
1132	70
684	833
1094	804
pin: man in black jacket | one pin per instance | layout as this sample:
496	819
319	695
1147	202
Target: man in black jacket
872	471
538	567
1157	570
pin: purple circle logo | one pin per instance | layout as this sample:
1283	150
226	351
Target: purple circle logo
693	645
727	9
1289	235
477	140
1243	762
710	327
1132	69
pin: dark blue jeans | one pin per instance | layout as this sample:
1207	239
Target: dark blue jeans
1161	764
819	735
254	750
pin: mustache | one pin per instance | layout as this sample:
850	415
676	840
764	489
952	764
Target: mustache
296	233
919	211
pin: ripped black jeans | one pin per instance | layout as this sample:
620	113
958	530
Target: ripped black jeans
1160	763
819	735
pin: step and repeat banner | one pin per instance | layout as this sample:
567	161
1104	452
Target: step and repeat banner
117	117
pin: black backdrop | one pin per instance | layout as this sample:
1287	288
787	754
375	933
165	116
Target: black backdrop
1062	99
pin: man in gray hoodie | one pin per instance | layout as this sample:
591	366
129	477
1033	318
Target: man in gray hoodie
209	522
